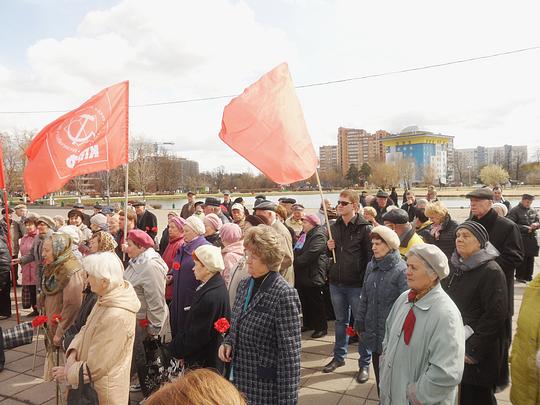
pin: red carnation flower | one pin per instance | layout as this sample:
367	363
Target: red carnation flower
143	323
56	318
154	229
176	266
39	320
147	228
222	325
350	331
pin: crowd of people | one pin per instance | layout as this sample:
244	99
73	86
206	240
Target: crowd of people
224	296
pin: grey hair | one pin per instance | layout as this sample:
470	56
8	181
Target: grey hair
429	270
421	203
105	266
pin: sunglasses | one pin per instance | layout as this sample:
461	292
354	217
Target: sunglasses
344	203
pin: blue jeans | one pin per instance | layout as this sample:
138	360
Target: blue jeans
345	299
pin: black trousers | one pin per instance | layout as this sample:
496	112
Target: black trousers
525	269
375	362
476	395
313	308
5	290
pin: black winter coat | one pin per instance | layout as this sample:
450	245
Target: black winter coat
524	217
199	342
353	252
447	237
410	209
89	300
481	296
148	222
381	211
310	262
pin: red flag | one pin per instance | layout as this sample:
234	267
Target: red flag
88	139
266	125
2	179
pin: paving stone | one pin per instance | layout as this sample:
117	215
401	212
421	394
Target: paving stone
39	394
19	383
329	382
309	396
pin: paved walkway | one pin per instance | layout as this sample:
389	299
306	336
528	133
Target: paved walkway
20	385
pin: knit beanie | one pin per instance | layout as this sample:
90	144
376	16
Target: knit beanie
196	225
230	233
477	230
214	221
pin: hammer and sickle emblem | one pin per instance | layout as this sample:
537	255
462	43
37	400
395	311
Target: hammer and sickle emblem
82	136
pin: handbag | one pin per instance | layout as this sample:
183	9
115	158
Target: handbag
159	366
85	393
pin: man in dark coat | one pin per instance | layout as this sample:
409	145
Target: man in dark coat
146	221
498	197
226	205
188	208
310	263
409	205
352	247
504	235
527	221
381	203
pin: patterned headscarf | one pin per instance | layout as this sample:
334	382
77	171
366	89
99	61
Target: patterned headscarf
56	275
106	242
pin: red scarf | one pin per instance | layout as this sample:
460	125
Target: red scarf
168	258
410	320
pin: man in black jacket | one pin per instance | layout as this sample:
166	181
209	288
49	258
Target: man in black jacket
504	235
381	204
146	221
352	246
527	221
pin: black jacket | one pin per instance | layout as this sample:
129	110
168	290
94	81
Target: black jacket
199	342
524	217
381	211
89	300
164	241
481	296
410	209
310	261
447	237
504	235
148	222
353	252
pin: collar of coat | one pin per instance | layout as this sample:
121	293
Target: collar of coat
356	220
213	282
427	300
388	262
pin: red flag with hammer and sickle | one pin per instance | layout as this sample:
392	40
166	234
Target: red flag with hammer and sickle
89	139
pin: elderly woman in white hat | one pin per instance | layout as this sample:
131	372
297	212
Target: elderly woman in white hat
197	344
384	282
424	343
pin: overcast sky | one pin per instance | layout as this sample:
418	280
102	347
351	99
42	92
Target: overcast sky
55	54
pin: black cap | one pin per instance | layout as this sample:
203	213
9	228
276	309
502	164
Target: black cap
260	197
198	203
78	205
527	197
382	194
266	206
138	204
212	201
396	216
483	193
238	200
287	200
98	206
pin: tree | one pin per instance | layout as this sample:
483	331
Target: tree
384	174
407	170
493	175
141	164
353	175
430	175
365	171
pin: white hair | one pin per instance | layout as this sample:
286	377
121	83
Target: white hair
105	266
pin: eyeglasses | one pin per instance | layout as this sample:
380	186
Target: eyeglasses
344	203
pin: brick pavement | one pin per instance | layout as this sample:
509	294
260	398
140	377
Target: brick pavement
20	385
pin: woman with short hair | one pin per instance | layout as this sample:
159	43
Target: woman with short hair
424	342
442	232
264	339
478	287
104	345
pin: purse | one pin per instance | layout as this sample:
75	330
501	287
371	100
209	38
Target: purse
85	394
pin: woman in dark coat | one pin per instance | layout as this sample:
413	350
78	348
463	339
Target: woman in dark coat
197	344
478	287
5	259
310	262
384	282
442	232
184	281
263	343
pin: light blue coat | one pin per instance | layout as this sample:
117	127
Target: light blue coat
429	369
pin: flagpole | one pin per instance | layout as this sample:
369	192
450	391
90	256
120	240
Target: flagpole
126	191
10	249
325	212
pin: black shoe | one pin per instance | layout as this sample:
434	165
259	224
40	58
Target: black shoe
306	328
353	339
333	365
363	375
4	317
32	314
318	334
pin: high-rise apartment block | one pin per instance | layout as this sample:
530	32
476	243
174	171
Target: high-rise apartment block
357	146
328	158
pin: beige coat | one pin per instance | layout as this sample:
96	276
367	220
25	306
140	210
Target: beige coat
105	345
286	269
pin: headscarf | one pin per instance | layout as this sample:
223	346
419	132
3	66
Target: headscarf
174	244
106	242
56	275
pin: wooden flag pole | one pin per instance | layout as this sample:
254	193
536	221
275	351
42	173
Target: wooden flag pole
10	249
325	212
126	180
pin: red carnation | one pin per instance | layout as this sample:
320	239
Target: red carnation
222	325
350	331
154	229
39	320
147	228
176	266
56	318
143	323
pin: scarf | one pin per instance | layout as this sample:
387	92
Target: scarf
410	320
171	250
300	242
477	259
56	275
106	242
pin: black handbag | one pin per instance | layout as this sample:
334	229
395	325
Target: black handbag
157	368
85	394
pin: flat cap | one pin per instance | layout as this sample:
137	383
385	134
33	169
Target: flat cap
78	205
210	256
482	193
47	221
266	206
523	197
287	200
297	207
138	203
107	210
4	210
396	216
226	192
381	194
212	201
260	197
19	206
433	257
